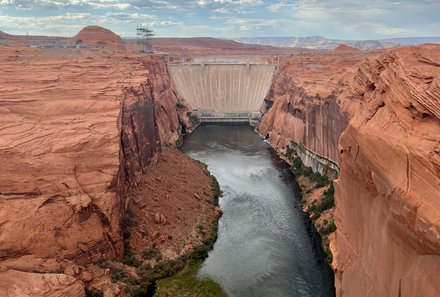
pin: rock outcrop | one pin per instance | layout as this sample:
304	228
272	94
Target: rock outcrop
60	150
98	36
388	195
18	283
174	208
307	113
76	131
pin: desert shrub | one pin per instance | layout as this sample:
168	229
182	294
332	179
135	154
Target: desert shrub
315	216
118	275
102	263
151	253
329	228
93	293
216	191
194	120
131	261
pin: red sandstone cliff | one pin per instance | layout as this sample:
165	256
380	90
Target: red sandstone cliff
76	130
308	106
388	195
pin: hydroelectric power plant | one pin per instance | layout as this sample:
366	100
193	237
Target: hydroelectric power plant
223	90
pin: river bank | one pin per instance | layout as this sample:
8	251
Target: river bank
265	246
169	227
316	195
264	231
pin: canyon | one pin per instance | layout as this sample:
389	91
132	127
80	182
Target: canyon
89	136
78	132
376	123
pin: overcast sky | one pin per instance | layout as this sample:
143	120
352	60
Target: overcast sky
344	19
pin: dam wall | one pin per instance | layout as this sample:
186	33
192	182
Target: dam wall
223	86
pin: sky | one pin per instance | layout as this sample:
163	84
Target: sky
338	19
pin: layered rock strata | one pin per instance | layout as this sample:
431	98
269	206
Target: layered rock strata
388	195
76	131
308	112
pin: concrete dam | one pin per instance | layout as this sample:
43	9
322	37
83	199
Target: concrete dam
223	90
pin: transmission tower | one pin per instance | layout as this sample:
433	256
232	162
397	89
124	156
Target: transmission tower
144	39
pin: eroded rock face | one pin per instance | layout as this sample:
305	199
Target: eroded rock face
16	284
388	195
307	108
173	209
76	131
387	198
60	149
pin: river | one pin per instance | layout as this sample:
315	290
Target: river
265	244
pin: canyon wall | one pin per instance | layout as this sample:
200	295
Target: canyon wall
388	195
386	107
76	130
308	112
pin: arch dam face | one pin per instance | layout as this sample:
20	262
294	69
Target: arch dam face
223	91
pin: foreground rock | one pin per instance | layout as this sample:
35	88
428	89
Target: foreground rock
388	196
78	129
17	283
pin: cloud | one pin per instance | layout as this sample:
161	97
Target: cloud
70	23
345	19
358	19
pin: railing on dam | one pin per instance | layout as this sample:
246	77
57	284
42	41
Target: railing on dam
224	120
245	60
240	118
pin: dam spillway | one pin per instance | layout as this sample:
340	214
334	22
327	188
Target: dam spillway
224	87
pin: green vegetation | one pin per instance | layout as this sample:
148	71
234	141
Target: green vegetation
173	268
129	259
90	293
216	191
328	228
186	283
194	120
128	223
141	290
178	277
326	202
102	263
179	142
326	249
299	169
118	275
175	277
180	105
151	253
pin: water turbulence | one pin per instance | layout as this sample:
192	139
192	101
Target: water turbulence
264	247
